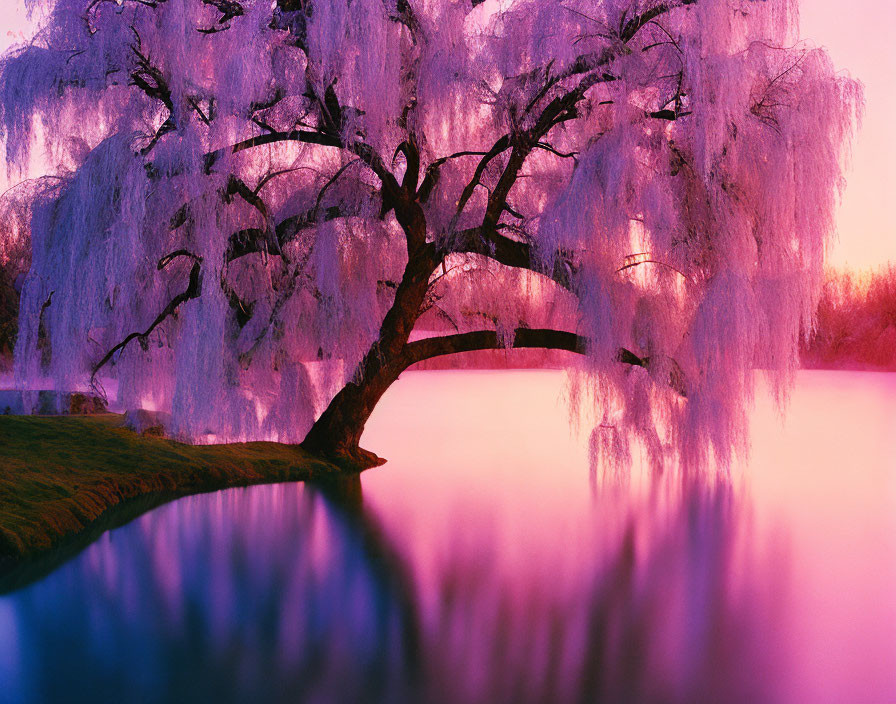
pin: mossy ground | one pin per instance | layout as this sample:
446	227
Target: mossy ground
59	475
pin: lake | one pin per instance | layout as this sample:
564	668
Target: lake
487	562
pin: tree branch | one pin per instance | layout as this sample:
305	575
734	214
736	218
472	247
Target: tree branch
524	338
235	185
549	148
490	243
431	175
228	9
635	23
412	164
248	240
192	291
306	136
430	347
501	145
168	258
367	154
560	109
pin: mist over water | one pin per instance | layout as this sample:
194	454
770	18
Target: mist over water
487	563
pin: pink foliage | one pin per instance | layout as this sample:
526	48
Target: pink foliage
676	204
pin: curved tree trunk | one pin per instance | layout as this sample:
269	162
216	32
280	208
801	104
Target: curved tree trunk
336	434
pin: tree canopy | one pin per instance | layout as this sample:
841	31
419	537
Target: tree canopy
264	212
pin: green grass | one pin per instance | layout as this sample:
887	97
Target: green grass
61	477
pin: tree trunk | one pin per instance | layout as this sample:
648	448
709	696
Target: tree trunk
336	434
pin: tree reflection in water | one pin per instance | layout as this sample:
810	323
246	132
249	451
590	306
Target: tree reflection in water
291	593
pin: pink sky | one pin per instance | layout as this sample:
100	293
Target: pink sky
859	37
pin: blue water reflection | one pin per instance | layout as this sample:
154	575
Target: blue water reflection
268	594
289	593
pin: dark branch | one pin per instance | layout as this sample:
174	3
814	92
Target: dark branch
166	127
431	176
192	291
561	108
260	105
524	338
168	258
497	199
150	79
335	177
430	347
268	177
306	136
631	261
236	186
412	162
562	155
228	9
367	153
667	114
509	252
635	23
251	239
501	145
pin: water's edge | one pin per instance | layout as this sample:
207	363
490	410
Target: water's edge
19	572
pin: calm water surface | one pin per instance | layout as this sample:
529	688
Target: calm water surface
485	563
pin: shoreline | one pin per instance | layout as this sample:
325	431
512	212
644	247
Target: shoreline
65	480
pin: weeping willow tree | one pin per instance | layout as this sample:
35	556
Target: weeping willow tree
264	213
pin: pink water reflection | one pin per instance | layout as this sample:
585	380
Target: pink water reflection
483	468
483	564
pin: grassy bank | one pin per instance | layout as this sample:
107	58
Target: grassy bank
62	477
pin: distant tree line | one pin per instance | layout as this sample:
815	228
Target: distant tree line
9	305
856	325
